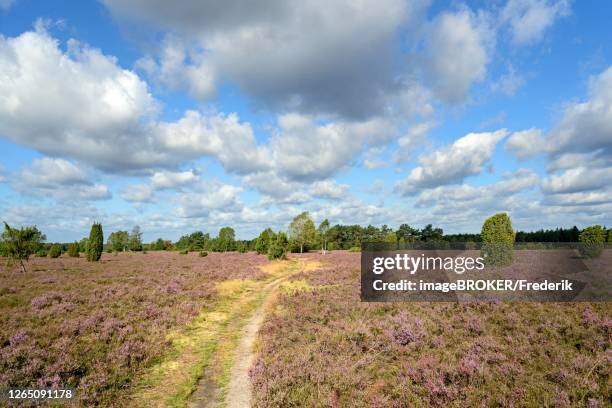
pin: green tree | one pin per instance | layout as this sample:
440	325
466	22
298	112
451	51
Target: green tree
592	241
96	243
498	240
226	239
241	247
55	251
429	234
73	250
135	239
263	241
323	231
404	234
19	244
278	247
118	241
302	230
83	245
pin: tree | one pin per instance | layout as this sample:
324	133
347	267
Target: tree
263	241
135	239
278	247
83	245
226	239
73	250
592	241
323	230
429	233
302	230
498	240
118	241
55	251
96	243
405	233
19	244
241	247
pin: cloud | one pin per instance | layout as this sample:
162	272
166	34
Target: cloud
58	179
414	138
138	193
345	66
529	19
508	83
578	179
465	157
170	179
305	151
526	143
81	104
209	198
329	189
50	173
459	49
586	126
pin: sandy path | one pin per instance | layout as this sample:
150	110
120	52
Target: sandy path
239	389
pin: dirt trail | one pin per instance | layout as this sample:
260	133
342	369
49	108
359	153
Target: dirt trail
236	391
239	390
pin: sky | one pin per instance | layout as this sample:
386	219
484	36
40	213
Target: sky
196	114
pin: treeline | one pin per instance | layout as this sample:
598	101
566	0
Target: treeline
301	235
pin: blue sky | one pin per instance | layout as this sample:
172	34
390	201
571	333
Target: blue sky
197	114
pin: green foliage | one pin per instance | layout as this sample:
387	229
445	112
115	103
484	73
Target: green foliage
195	241
83	245
73	250
241	247
278	247
55	251
406	233
161	245
609	239
323	232
302	230
592	241
41	253
118	241
135	239
203	253
96	243
354	249
498	240
431	234
226	239
19	244
184	252
263	241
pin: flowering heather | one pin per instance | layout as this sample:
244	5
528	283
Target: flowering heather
95	326
326	348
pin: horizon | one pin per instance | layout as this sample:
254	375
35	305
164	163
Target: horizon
183	117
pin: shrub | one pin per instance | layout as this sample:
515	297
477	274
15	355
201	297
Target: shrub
41	253
184	252
73	250
19	244
55	251
592	241
203	253
354	249
96	243
278	247
497	240
241	247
